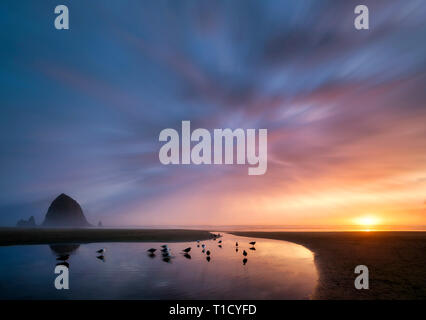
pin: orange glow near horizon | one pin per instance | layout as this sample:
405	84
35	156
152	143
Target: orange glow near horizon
367	221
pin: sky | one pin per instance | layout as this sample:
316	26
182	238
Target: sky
82	109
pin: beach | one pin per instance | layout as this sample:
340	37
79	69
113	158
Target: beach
22	236
396	262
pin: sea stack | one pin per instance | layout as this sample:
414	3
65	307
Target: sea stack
27	224
64	211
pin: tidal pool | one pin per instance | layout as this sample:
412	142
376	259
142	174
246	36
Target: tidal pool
273	269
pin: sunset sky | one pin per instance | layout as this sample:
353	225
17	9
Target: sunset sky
82	109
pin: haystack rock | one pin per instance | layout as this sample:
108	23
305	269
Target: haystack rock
64	211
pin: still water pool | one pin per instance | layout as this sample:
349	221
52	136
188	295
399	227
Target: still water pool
272	270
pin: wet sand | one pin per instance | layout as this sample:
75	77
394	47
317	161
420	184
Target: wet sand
396	262
20	236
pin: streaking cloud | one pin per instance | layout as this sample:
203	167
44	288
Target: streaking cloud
345	110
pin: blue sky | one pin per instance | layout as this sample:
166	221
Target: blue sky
81	110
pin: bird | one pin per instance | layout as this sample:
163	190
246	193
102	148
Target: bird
164	250
187	250
63	263
244	253
164	246
244	261
198	241
63	257
236	244
203	246
220	241
204	250
101	251
165	254
253	243
152	250
208	252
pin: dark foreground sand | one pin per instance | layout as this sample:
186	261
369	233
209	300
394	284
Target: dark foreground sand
396	262
18	236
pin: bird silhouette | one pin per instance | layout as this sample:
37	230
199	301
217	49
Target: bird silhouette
203	246
252	248
101	257
102	251
186	255
152	250
164	246
208	252
253	243
63	263
220	241
167	259
236	249
208	258
236	244
245	261
187	250
220	246
244	253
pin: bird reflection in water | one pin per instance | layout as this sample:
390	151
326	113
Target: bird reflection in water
245	261
101	257
252	248
208	258
63	257
186	255
167	259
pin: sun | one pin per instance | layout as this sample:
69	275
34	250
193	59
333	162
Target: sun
367	221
